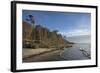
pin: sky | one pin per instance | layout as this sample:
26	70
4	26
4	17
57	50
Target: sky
67	23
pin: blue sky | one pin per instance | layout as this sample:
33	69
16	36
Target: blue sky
67	23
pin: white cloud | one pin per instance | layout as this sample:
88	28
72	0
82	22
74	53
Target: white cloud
78	32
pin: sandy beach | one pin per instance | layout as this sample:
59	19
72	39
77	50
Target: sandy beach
53	55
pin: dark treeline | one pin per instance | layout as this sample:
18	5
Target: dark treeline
37	36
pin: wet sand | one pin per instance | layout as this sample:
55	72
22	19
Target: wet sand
49	56
27	52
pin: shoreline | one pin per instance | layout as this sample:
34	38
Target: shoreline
33	53
45	57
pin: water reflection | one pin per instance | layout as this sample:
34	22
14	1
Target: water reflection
74	52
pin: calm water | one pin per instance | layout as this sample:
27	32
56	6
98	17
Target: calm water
74	52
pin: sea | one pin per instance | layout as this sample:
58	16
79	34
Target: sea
74	52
